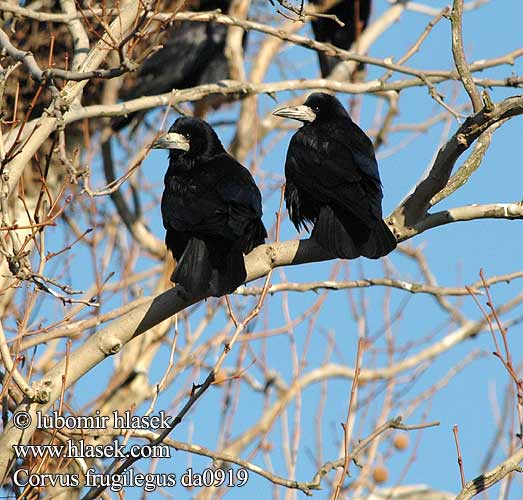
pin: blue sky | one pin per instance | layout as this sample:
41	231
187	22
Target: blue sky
455	252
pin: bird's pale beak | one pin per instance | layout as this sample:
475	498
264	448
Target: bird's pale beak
172	140
301	113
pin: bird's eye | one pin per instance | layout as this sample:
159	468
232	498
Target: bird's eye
316	109
187	136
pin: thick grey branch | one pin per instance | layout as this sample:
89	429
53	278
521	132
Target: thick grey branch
490	478
110	340
509	211
411	211
470	165
78	32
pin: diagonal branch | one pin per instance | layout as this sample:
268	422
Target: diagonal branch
110	340
470	165
490	478
415	206
510	211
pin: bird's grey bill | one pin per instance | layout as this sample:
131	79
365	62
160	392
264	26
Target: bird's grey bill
172	140
301	113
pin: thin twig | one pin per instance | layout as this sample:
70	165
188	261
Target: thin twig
458	451
456	18
346	452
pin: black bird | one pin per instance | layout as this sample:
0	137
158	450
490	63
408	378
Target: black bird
329	31
332	181
193	54
211	210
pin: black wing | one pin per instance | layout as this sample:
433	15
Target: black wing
219	199
243	198
337	166
184	60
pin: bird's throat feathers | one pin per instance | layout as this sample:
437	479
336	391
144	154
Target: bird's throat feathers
180	161
186	161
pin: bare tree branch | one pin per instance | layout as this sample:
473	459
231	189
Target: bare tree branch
409	213
493	476
456	18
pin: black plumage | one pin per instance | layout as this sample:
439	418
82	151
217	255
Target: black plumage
332	181
329	31
211	210
193	54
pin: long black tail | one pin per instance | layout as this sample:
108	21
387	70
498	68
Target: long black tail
229	273
204	271
331	234
381	242
351	239
193	271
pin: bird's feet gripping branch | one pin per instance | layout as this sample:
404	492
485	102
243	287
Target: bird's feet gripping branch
211	210
332	181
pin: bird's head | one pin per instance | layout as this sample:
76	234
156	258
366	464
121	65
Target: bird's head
190	137
318	106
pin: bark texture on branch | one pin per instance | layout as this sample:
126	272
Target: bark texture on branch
415	207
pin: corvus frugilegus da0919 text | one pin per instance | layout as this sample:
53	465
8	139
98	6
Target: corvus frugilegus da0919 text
332	181
211	209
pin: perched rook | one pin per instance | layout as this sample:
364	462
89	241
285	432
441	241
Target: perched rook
354	14
211	210
193	54
332	181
